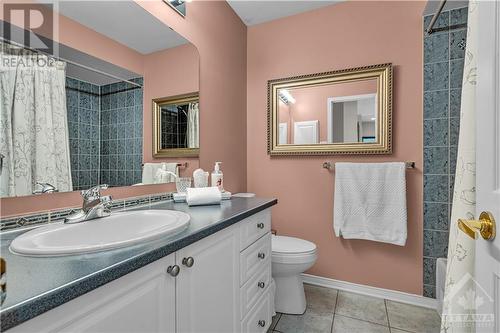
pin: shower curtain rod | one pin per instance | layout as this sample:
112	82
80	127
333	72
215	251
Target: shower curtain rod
430	29
70	62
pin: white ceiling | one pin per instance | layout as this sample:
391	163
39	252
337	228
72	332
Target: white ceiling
124	21
255	12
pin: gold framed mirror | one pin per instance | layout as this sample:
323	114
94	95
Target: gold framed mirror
176	126
340	112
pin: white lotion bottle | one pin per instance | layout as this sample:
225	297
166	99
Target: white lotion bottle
218	177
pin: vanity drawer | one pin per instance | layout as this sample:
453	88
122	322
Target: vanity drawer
258	319
253	289
253	227
255	257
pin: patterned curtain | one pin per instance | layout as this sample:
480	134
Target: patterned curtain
33	124
460	267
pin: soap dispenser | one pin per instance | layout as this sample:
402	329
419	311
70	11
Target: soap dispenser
218	177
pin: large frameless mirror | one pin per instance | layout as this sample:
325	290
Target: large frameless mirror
73	118
341	112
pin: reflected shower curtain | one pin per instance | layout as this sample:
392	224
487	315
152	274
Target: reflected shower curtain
33	124
460	267
193	127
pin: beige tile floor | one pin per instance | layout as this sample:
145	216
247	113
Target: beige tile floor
332	311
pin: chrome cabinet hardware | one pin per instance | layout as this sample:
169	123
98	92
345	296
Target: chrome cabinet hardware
262	323
261	285
173	270
260	225
261	255
188	262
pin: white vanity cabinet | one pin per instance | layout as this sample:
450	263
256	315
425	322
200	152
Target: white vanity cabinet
142	301
208	291
217	284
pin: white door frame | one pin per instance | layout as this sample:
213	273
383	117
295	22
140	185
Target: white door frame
487	257
329	108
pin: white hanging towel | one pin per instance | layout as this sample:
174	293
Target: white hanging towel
370	202
150	173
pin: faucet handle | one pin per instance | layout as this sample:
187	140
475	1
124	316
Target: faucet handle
93	192
45	188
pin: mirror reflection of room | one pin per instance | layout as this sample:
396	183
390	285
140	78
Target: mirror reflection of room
343	112
179	126
74	118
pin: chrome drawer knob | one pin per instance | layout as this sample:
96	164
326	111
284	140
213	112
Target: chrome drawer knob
173	270
261	284
260	225
261	255
188	262
262	323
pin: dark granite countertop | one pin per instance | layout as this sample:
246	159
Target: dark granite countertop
38	284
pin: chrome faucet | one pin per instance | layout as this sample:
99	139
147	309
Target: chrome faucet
94	205
45	188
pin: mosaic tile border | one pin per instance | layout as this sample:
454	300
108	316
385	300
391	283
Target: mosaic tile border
23	221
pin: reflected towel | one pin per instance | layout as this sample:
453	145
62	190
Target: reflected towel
370	202
203	196
150	173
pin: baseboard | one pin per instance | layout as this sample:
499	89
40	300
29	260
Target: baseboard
392	295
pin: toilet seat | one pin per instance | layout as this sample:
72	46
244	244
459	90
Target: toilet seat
292	250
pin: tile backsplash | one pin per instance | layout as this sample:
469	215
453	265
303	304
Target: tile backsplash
21	221
444	53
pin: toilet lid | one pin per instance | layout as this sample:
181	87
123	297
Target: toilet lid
290	245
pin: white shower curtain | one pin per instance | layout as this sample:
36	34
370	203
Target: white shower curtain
461	248
33	124
193	127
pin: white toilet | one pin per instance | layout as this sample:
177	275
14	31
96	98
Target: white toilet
290	257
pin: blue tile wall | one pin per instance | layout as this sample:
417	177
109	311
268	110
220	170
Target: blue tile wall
82	100
444	53
105	130
121	128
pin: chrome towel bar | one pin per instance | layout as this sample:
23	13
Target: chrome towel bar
331	166
180	165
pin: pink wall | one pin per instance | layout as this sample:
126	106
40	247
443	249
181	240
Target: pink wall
220	37
222	96
345	35
167	73
311	102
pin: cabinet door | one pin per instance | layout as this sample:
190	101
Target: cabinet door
142	301
207	293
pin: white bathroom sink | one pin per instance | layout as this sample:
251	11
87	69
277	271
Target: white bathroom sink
117	230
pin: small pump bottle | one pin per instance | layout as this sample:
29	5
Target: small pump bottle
218	177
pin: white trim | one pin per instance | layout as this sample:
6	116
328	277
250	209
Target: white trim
352	98
391	295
